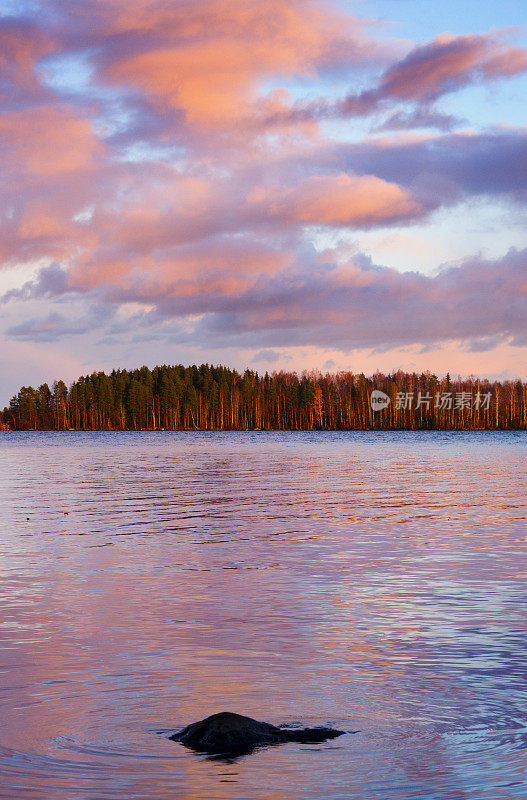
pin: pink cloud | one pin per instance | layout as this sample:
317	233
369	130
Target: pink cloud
359	201
183	174
314	301
448	63
358	304
220	267
444	65
208	60
52	166
53	141
22	46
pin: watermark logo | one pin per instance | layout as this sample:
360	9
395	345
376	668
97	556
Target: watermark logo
379	400
441	401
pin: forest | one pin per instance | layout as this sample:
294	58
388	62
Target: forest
218	398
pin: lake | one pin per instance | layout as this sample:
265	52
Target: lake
374	582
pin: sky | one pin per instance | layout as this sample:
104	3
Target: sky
265	184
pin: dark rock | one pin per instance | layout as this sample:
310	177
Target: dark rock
230	735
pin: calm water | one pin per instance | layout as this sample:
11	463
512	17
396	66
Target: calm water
374	582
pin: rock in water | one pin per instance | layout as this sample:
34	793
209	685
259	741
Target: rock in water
232	735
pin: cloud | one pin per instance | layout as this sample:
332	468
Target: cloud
267	356
442	169
182	168
359	201
207	61
483	344
422	117
54	327
51	281
217	265
22	46
446	64
53	167
49	329
315	301
177	76
358	304
53	142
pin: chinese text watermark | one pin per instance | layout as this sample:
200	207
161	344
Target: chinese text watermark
441	401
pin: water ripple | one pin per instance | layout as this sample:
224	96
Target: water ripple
371	581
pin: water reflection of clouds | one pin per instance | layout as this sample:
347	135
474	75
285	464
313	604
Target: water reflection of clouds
410	630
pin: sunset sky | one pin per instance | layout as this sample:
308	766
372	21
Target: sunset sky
273	184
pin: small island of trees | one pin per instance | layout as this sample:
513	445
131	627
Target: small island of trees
218	398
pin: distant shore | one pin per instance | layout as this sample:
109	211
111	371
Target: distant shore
209	398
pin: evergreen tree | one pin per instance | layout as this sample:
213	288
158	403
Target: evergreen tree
218	398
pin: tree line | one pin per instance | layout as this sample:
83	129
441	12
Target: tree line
218	398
